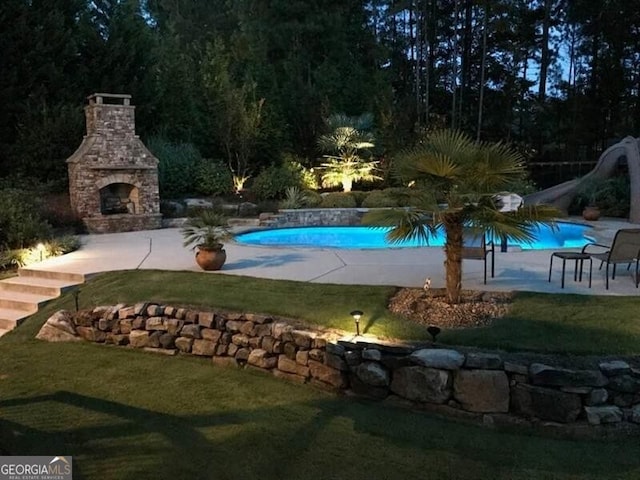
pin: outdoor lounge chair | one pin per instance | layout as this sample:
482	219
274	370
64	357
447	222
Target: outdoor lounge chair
624	249
476	247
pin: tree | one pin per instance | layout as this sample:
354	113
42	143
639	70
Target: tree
237	114
41	86
456	181
347	139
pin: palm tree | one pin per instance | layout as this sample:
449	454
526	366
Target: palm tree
455	183
347	139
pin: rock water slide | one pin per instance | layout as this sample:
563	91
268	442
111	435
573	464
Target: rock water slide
560	196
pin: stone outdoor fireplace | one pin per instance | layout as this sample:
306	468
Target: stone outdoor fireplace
113	178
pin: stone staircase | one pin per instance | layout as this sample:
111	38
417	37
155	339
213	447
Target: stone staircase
21	296
268	219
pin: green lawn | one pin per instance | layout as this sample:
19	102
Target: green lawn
575	324
126	414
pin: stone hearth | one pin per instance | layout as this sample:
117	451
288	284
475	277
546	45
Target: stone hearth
113	177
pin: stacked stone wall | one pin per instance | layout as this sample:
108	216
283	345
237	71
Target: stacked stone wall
484	386
318	217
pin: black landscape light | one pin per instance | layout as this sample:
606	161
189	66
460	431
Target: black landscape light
357	315
433	331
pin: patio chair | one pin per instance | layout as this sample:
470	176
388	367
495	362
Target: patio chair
476	247
625	248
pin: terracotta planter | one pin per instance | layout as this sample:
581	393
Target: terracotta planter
211	258
591	213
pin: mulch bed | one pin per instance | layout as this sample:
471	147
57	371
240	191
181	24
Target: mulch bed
429	307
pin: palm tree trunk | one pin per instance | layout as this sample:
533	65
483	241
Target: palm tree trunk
453	258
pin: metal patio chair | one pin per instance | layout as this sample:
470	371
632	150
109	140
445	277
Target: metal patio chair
476	247
625	248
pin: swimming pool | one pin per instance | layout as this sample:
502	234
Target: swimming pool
567	235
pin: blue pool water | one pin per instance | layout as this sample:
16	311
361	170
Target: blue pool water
567	235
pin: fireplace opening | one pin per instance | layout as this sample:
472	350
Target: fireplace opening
118	198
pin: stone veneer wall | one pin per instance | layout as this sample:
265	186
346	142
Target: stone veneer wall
317	217
123	223
476	385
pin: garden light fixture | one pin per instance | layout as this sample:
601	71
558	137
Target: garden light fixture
41	248
433	331
357	314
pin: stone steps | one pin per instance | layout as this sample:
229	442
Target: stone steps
244	222
39	286
52	275
28	302
10	318
21	296
268	219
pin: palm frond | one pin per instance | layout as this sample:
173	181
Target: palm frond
437	165
495	167
363	122
452	143
208	228
520	225
407	224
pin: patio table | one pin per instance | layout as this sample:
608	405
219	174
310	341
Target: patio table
578	258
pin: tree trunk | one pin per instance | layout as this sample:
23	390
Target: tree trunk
454	65
483	69
453	258
545	54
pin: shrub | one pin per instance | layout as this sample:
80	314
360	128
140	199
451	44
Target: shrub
380	199
358	196
20	221
177	164
615	197
56	210
401	195
308	177
314	199
294	198
9	259
522	187
213	177
338	200
267	206
273	181
21	257
611	195
61	245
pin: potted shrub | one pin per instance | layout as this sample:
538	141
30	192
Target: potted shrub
205	233
588	195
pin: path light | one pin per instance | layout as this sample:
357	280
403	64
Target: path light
40	247
433	331
76	297
357	315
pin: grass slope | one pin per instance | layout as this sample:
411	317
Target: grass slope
126	414
573	324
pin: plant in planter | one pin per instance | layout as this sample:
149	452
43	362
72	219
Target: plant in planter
205	232
587	196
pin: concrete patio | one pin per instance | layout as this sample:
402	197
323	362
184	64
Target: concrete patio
163	250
